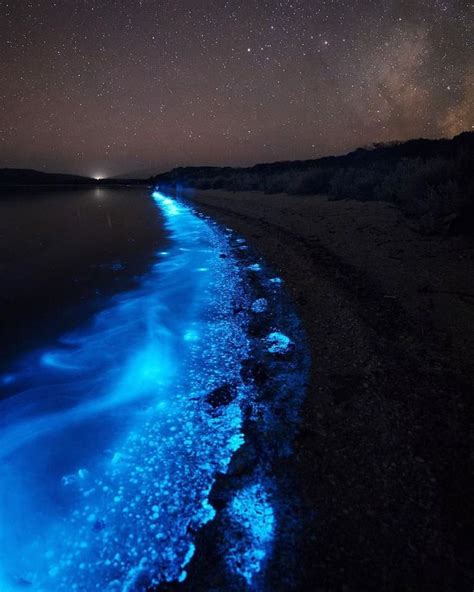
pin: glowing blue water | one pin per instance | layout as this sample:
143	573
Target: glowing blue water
109	446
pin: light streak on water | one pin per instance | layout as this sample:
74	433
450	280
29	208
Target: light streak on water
109	447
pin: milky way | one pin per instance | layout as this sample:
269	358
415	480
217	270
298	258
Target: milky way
103	87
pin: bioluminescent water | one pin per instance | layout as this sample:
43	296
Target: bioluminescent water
63	253
111	442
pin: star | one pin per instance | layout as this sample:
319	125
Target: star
78	78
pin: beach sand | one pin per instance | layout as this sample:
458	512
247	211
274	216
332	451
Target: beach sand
382	458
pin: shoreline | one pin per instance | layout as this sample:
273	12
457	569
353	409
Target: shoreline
381	459
195	447
259	475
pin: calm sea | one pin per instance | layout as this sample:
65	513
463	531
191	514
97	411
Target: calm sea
63	253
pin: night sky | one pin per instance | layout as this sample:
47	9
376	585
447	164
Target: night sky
103	87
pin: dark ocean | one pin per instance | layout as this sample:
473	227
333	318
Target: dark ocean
63	253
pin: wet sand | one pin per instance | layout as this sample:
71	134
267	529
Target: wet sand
382	458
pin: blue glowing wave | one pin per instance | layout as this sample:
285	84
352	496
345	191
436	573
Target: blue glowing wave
251	531
109	447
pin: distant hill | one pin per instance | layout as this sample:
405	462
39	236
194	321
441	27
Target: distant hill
139	175
30	177
431	181
376	154
16	177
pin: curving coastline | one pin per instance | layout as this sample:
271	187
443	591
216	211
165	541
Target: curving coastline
114	440
382	458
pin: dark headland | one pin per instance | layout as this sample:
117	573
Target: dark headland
10	178
376	249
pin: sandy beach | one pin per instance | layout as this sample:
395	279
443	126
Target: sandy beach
382	457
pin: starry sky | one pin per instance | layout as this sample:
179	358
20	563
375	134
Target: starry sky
108	87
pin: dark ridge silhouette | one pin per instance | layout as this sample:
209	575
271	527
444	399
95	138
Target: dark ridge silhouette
431	181
13	177
30	177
